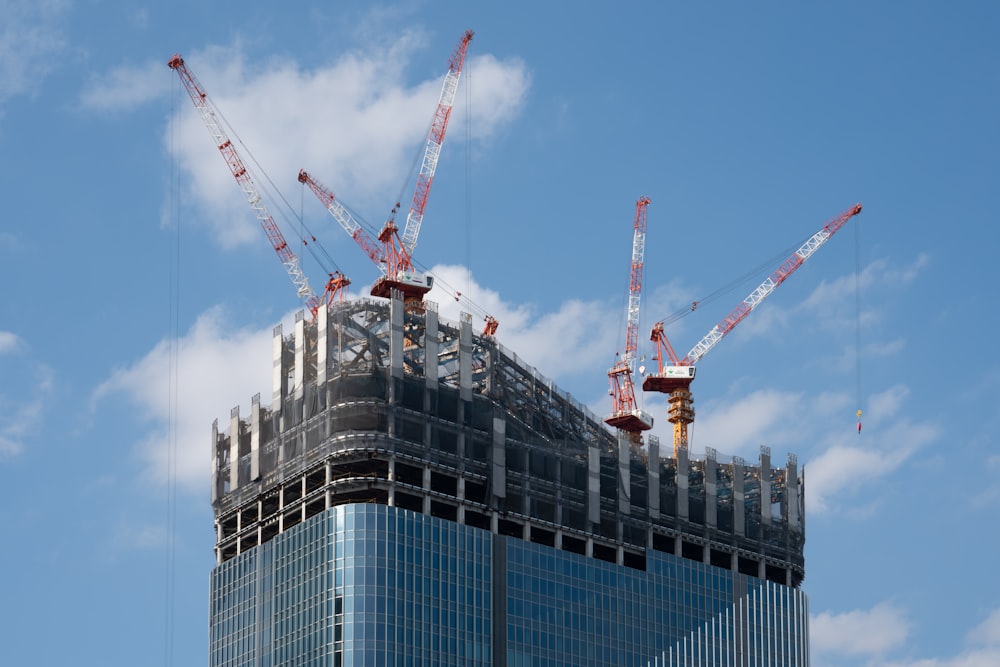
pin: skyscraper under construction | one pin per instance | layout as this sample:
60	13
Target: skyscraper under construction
418	495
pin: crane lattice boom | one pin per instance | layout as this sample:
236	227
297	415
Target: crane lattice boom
764	290
635	282
344	217
675	378
274	236
434	140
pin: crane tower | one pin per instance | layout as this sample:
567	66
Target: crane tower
626	414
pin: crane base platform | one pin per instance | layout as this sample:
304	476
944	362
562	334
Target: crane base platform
666	384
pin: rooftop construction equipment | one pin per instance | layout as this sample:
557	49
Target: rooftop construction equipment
391	252
625	413
675	378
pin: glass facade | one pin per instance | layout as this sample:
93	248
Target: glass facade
356	585
368	585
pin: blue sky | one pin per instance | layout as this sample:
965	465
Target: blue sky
747	126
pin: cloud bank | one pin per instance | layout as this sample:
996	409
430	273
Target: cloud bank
356	124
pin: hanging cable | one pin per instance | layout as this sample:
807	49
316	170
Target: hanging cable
468	177
857	317
761	269
173	316
304	233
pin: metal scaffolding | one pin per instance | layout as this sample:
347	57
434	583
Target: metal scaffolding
377	402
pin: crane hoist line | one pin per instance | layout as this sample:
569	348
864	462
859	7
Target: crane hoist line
337	283
674	374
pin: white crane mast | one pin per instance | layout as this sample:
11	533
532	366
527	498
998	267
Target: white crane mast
634	295
411	230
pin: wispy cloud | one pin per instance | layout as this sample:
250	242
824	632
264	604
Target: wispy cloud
989	496
219	366
8	342
871	637
575	338
31	38
742	425
9	241
987	633
354	124
849	464
24	397
216	367
125	88
861	632
831	306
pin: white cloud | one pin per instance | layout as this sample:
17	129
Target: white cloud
9	241
575	339
862	632
851	463
990	495
22	409
887	403
832	305
741	426
8	342
217	367
125	88
356	125
498	92
872	635
30	41
987	633
840	462
834	302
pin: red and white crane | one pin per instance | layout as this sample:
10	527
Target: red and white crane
337	282
392	253
675	377
626	414
435	139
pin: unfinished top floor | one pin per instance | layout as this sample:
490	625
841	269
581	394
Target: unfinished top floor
374	402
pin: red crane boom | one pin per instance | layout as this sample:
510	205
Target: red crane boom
289	259
393	254
435	139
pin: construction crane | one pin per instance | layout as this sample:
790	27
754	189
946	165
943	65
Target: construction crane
375	249
337	282
385	251
625	413
674	378
392	253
